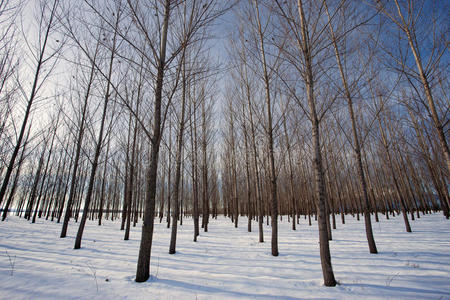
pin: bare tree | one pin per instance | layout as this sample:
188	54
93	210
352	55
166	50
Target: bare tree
269	133
309	44
47	21
356	142
408	17
180	135
78	142
99	142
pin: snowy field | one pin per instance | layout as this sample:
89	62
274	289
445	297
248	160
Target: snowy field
226	263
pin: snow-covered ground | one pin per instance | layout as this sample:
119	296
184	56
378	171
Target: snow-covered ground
226	263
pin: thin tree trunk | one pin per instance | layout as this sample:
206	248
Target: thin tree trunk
78	143
176	206
291	175
247	172
46	169
394	177
193	126
35	184
104	178
325	255
233	170
269	132
356	143
169	173
98	147
131	176
16	178
205	219
143	266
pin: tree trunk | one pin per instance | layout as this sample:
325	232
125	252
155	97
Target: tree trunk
98	147
176	206
205	197
325	256
394	177
269	132
193	126
356	145
78	143
16	178
143	266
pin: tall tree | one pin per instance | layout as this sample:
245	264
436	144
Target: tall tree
356	142
143	265
178	158
309	44
269	133
79	140
100	139
43	57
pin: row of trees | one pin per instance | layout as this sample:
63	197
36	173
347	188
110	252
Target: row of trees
324	108
354	106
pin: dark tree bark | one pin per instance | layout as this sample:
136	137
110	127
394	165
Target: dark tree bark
194	162
16	177
104	179
35	183
132	164
178	162
143	266
205	219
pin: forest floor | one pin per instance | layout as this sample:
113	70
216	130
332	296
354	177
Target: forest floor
226	263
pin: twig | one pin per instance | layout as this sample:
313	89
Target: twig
94	273
390	278
12	262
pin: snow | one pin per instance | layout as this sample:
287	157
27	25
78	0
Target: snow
225	263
